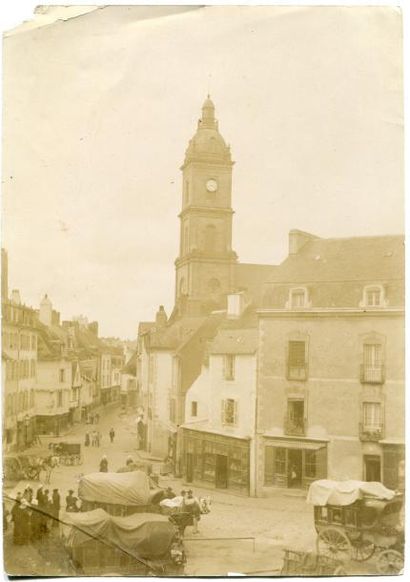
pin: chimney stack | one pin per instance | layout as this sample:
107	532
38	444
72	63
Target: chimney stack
298	239
46	311
15	297
161	318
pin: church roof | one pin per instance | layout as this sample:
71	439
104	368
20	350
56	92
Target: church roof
251	277
208	144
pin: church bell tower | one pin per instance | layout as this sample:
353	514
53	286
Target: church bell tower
206	261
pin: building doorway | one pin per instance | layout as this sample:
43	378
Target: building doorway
372	468
189	467
221	472
295	468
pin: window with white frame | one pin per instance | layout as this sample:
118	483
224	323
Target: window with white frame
229	367
373	365
372	415
194	408
229	411
297	360
373	296
298	298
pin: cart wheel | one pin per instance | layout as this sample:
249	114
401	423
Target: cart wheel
362	550
390	562
334	543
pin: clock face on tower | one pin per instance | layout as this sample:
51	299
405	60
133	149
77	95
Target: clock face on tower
212	185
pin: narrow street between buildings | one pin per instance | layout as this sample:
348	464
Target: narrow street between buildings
240	534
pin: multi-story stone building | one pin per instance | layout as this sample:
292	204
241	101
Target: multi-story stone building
19	362
218	435
331	363
171	351
54	378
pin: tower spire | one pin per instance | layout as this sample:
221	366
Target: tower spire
208	114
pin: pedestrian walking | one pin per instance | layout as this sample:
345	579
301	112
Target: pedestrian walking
104	464
55	505
94	438
47	511
21	520
191	505
35	530
16	519
28	494
87	439
98	438
112	435
71	502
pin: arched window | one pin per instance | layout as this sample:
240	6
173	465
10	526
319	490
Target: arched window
182	287
210	237
186	193
214	285
186	239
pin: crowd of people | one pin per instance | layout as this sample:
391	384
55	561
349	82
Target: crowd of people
34	516
94	438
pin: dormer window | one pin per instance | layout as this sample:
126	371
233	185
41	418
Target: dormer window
373	296
298	298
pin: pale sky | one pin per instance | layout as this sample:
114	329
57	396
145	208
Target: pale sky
98	111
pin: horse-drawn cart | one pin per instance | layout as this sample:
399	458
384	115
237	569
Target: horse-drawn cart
136	545
299	563
354	519
19	467
67	453
119	494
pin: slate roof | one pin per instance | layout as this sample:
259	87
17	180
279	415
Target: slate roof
131	366
51	342
173	336
235	341
145	326
335	271
251	277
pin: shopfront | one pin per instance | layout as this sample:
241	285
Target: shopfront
215	460
393	465
294	463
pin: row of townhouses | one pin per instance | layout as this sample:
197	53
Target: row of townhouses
269	376
54	374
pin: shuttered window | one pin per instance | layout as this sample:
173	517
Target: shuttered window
372	355
229	411
371	415
229	367
269	465
297	354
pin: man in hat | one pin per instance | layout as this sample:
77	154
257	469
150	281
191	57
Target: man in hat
55	507
104	464
71	501
35	529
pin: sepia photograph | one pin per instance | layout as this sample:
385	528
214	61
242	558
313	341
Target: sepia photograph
203	291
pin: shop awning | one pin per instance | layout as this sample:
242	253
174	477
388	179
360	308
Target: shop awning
296	444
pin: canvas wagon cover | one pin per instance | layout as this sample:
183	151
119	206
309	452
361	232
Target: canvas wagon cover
144	535
117	488
325	491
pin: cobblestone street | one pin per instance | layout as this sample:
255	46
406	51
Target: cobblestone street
268	525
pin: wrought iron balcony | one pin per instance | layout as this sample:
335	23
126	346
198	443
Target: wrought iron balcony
294	427
372	374
371	433
298	372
